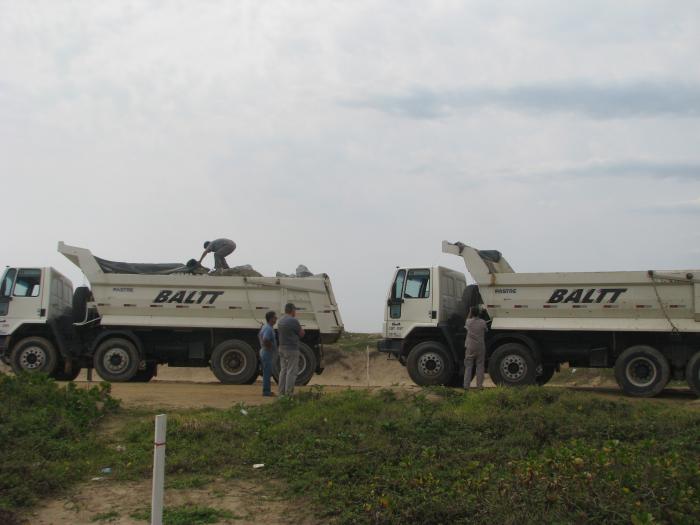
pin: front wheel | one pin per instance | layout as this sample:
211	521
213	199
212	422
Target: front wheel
34	354
116	360
692	373
642	371
429	363
234	362
513	364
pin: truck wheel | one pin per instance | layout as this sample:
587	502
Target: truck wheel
513	364
546	375
117	360
34	354
429	363
234	362
307	366
642	371
145	375
692	373
60	374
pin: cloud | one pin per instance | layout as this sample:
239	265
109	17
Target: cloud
611	101
681	171
691	207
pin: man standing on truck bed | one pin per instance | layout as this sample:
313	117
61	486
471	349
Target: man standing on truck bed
475	348
290	331
220	248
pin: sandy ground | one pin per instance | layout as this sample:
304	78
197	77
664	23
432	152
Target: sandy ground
247	502
341	368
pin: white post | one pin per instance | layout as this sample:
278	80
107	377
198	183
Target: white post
367	350
158	471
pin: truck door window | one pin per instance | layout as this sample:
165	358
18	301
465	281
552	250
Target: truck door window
27	283
417	284
396	293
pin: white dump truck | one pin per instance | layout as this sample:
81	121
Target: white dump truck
644	324
136	316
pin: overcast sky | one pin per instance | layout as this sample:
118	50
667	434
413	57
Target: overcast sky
352	136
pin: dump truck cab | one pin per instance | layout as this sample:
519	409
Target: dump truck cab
31	300
426	304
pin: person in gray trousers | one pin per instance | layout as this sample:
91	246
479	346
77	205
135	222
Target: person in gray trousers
290	331
220	248
475	348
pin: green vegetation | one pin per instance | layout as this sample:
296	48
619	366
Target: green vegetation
497	456
187	515
47	436
441	456
350	341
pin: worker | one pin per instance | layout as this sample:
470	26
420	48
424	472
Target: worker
290	331
220	248
268	351
475	346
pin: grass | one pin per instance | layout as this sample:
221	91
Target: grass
351	342
47	435
187	515
497	456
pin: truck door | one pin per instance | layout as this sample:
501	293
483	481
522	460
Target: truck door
25	299
417	301
6	290
395	301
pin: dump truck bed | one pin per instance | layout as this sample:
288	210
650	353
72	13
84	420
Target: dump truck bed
647	301
205	301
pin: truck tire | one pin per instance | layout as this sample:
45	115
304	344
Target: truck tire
234	362
81	296
145	375
117	360
307	366
429	363
642	371
692	373
546	375
60	374
34	354
513	364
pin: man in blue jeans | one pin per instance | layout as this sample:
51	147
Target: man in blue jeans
268	350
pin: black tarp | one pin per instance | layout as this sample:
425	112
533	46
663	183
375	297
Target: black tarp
142	268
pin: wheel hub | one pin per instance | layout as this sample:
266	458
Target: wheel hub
116	360
641	372
233	362
430	364
513	367
32	358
